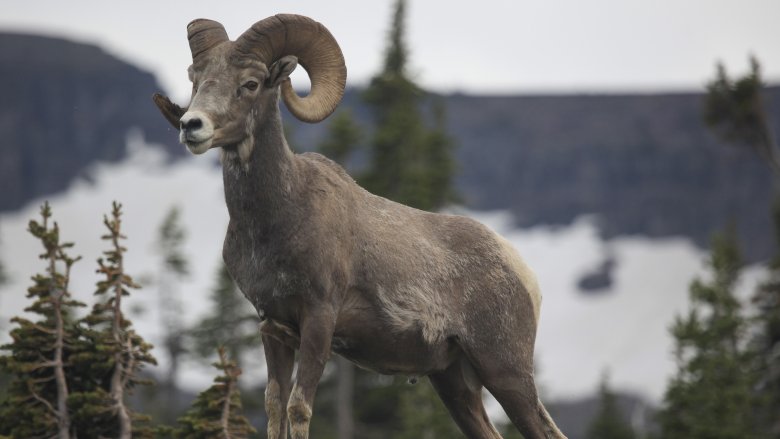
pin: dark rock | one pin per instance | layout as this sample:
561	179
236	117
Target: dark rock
600	279
64	106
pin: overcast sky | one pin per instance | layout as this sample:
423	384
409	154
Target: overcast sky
486	46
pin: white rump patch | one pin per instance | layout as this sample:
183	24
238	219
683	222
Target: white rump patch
527	277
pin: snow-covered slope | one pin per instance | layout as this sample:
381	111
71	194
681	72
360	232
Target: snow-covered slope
624	331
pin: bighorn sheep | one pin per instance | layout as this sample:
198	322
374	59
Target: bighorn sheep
332	268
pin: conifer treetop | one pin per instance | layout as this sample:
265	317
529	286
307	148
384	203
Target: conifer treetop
128	352
40	351
216	412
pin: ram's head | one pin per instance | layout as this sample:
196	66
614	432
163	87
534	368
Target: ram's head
235	82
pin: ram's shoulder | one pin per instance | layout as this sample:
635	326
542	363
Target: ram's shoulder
318	162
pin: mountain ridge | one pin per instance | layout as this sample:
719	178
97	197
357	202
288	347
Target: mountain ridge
65	106
642	163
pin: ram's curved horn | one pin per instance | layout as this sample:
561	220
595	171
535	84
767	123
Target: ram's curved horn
317	51
204	34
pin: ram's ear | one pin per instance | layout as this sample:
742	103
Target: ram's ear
280	70
169	110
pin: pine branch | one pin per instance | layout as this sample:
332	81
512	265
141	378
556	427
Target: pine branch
43	329
41	380
68	265
41	358
130	363
43	365
46	404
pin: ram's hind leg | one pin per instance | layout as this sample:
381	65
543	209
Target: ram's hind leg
460	390
508	374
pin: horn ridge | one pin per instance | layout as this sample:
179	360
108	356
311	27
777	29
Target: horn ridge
317	52
204	34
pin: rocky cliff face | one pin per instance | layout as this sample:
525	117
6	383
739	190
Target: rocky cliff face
65	105
644	164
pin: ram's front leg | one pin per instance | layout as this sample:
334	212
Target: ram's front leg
316	329
280	359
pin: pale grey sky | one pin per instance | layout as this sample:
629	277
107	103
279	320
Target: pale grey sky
488	46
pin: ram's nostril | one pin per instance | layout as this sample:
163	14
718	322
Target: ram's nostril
192	124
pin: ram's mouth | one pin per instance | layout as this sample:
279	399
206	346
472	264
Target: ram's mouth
198	147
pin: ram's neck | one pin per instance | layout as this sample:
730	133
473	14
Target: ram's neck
260	176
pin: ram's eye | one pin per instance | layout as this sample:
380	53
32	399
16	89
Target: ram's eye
250	85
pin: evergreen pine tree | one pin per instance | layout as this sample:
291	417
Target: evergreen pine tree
608	423
112	354
216	413
410	163
38	358
711	394
342	139
174	267
767	340
734	109
232	323
439	156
